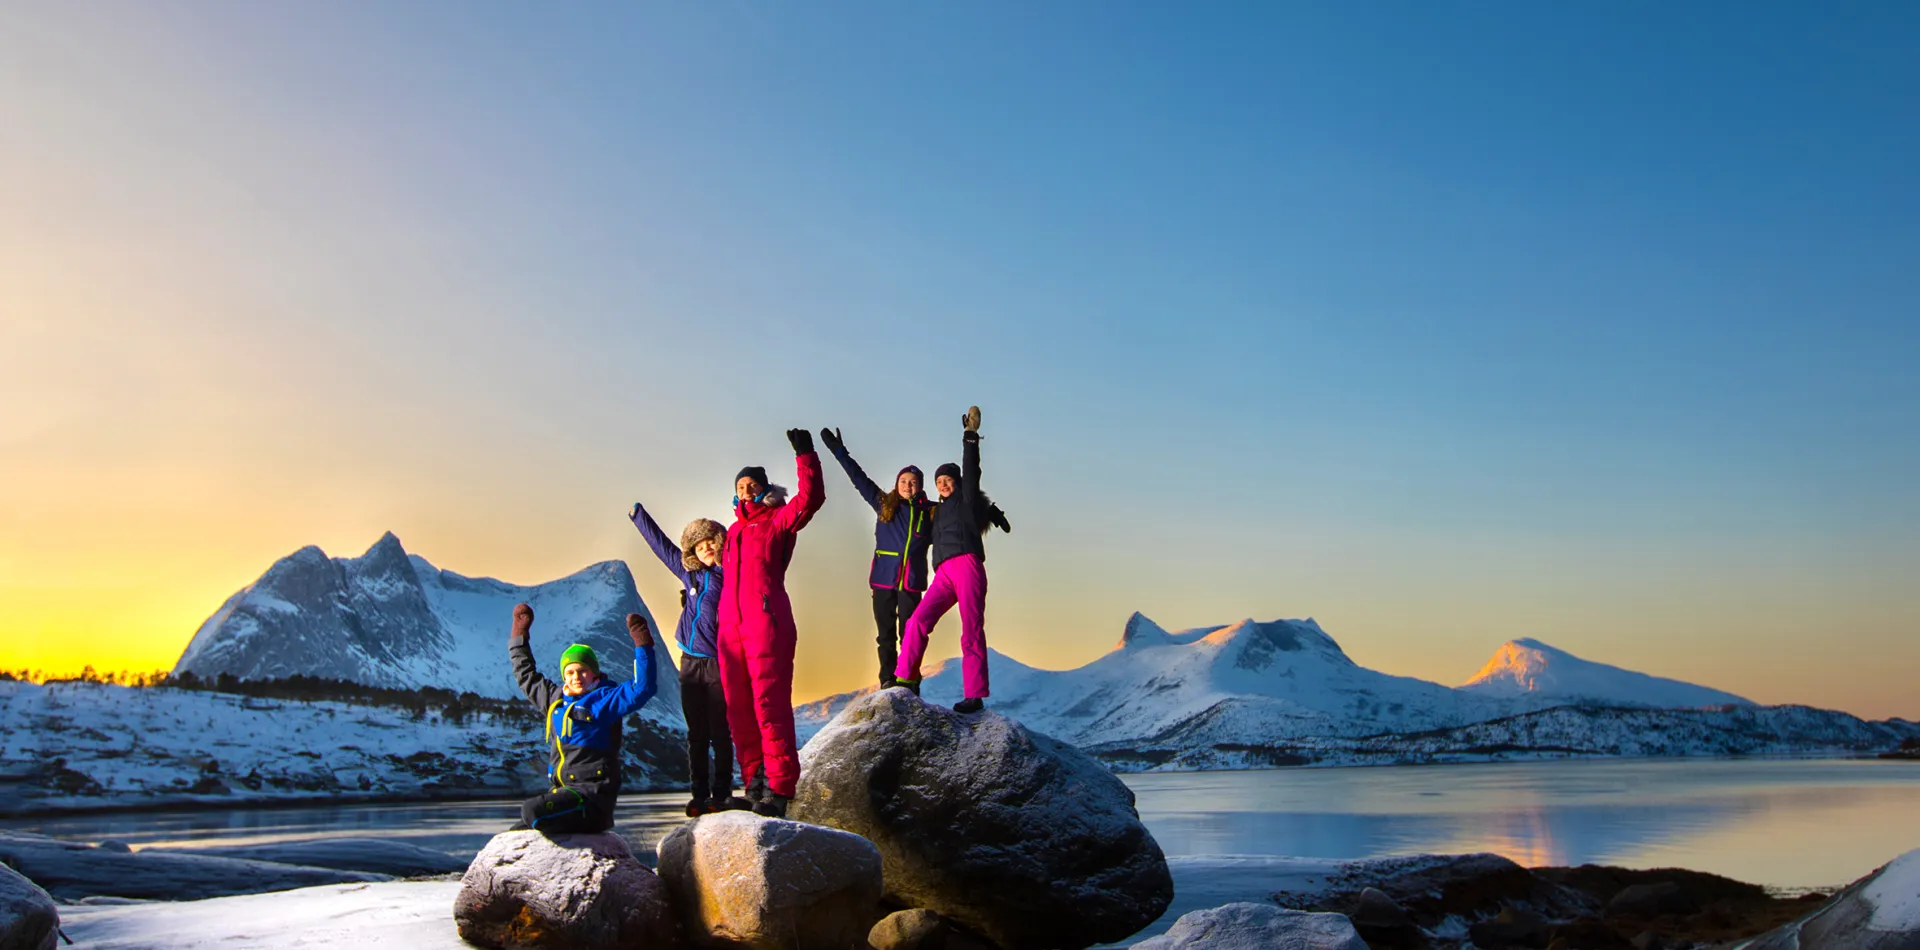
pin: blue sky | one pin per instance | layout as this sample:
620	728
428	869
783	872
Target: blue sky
1444	324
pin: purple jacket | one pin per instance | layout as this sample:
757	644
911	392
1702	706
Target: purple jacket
699	628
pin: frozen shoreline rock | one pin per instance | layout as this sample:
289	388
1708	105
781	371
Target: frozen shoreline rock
586	891
1015	836
1878	912
741	880
1250	926
70	871
400	915
28	918
372	855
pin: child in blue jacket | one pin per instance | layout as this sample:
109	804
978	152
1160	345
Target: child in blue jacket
583	715
696	562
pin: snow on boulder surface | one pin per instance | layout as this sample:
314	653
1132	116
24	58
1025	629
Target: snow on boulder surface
28	918
1020	838
1878	912
373	855
1250	926
71	871
583	891
403	915
741	880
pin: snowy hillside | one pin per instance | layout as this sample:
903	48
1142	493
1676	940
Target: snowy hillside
388	618
1255	694
89	745
1533	670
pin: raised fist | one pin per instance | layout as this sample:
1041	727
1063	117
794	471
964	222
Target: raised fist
522	620
637	629
971	421
801	440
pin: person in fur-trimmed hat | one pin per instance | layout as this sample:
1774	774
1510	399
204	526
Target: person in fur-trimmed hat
696	562
757	632
960	523
902	534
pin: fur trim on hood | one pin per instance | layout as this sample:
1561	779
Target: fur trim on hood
696	531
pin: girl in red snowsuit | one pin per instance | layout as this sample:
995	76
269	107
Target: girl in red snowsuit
756	625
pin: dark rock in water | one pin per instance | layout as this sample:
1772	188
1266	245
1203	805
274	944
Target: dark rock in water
29	920
1249	926
1431	888
741	880
921	929
1014	835
1384	924
525	890
1878	912
71	871
373	855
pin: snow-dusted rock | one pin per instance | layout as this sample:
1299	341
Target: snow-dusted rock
28	918
525	889
1878	912
742	880
70	871
373	855
1015	836
401	915
1249	926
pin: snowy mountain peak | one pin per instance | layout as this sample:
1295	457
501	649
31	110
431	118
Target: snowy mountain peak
1536	670
1141	632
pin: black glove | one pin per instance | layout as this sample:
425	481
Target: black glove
522	620
999	519
831	437
801	440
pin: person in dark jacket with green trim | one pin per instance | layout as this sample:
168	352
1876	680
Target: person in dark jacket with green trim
583	714
901	537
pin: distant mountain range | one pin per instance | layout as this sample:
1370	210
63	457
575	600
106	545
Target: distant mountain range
1252	694
389	618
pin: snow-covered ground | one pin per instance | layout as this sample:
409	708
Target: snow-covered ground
87	745
415	915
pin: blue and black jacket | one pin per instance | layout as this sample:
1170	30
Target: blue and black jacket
583	732
900	545
698	631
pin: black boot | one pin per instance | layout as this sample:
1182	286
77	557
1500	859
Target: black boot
772	806
757	789
969	705
912	686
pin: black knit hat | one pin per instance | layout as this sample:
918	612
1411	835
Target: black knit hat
754	472
948	469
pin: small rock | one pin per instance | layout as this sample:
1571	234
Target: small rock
1248	926
741	880
526	890
1016	836
1384	924
29	920
1647	940
921	929
119	847
1663	899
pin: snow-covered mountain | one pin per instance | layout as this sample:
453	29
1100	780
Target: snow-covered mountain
1530	669
1283	692
391	619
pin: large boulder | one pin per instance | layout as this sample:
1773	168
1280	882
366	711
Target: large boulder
28	918
1015	836
526	890
1878	912
1248	926
741	880
71	871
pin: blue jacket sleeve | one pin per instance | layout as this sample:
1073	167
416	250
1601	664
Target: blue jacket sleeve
632	694
663	546
861	483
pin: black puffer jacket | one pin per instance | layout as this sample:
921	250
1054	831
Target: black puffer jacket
960	520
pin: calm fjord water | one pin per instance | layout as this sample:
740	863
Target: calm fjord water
1784	823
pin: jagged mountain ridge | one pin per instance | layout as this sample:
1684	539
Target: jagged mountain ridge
389	618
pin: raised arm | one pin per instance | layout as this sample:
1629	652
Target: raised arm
799	510
663	546
537	688
861	483
970	469
634	693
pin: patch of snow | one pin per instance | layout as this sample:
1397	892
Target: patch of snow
1895	895
414	915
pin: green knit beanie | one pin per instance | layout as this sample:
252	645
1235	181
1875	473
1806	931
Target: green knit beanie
580	653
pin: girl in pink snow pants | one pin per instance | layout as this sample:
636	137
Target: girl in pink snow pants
960	523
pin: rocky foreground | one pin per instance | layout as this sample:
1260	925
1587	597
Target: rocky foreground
914	829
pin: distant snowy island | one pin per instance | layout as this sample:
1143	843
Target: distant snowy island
1244	695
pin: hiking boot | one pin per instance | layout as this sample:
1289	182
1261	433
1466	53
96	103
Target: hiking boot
697	807
969	705
889	681
520	825
757	789
772	806
911	686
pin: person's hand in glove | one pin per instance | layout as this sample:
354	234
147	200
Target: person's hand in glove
998	519
639	632
522	620
831	439
801	440
971	421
